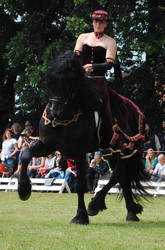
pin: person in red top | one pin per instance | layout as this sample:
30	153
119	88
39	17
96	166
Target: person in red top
2	168
70	172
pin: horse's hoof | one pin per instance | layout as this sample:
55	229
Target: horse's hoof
132	217
92	213
96	205
24	190
81	217
79	220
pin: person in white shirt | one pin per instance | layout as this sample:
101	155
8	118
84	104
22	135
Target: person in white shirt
9	150
159	171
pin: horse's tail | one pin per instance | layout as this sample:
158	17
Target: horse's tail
133	175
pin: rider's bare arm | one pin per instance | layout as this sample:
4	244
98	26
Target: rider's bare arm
111	49
79	43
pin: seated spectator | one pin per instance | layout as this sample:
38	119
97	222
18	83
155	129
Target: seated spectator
89	157
59	167
159	171
151	160
48	165
70	172
97	168
2	168
19	167
37	163
16	130
9	151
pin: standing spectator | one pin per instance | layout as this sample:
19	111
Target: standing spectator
34	131
162	137
159	171
16	130
9	151
59	167
151	160
25	137
97	168
19	167
49	164
151	140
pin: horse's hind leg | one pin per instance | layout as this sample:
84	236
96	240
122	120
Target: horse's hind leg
24	185
81	216
132	208
128	173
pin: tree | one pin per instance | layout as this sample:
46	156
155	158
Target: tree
138	27
33	32
7	76
32	40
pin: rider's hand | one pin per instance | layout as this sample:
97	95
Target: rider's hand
88	67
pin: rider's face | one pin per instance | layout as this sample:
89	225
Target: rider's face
99	26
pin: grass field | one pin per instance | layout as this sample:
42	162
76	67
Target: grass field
42	222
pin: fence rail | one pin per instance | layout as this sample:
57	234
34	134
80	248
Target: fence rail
38	184
152	187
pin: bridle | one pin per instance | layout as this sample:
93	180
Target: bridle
59	99
54	122
63	100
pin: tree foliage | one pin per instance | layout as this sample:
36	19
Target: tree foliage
33	32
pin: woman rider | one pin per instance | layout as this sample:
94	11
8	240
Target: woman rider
121	118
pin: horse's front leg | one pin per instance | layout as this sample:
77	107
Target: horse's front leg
24	184
97	203
81	216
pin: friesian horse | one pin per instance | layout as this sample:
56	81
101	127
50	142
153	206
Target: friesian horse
68	125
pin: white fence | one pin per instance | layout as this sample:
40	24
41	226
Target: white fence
38	184
153	188
59	185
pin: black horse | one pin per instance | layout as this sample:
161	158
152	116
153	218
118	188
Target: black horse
68	125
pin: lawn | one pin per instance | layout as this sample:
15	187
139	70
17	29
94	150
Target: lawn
42	222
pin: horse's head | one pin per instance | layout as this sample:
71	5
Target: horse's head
63	80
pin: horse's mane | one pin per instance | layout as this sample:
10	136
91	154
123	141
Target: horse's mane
66	77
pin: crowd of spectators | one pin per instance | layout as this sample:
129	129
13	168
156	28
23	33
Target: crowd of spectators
154	153
55	165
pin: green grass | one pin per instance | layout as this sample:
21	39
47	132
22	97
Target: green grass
43	222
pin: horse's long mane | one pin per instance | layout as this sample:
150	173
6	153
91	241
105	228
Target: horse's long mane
66	77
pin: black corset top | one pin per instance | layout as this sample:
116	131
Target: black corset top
93	54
